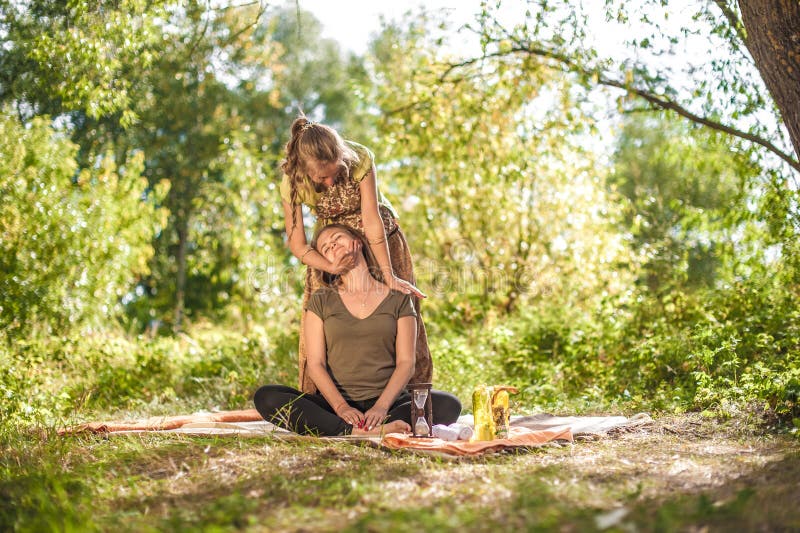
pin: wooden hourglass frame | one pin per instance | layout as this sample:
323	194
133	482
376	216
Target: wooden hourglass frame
421	409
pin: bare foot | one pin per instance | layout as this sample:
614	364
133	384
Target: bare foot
397	426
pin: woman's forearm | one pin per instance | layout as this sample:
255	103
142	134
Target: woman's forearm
310	257
319	375
380	248
397	382
405	346
296	239
373	224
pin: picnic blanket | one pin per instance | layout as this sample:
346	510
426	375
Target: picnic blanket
165	423
526	431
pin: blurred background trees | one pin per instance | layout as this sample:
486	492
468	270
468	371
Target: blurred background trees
73	238
506	205
599	224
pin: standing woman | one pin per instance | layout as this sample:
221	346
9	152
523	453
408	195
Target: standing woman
336	180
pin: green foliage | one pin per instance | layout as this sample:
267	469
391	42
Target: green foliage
78	374
679	184
655	280
751	352
315	76
503	204
203	93
73	240
660	274
215	130
78	55
33	388
660	56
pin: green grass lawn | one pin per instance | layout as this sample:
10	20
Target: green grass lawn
681	473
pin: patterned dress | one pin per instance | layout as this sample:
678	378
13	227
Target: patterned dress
341	204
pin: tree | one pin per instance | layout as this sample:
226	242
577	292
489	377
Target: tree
701	64
724	92
679	184
72	241
213	111
502	205
770	34
316	76
58	57
191	118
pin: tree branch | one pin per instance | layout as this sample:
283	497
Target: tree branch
262	8
569	65
237	6
406	107
682	111
733	19
199	39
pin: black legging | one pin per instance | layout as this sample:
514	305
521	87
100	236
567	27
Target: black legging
310	414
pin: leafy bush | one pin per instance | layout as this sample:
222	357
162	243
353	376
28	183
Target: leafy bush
729	349
73	240
110	374
751	352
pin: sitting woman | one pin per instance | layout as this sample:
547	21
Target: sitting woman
360	339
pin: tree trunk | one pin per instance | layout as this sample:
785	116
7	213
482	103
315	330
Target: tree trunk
773	39
180	279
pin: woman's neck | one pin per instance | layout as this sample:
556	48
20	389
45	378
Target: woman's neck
358	279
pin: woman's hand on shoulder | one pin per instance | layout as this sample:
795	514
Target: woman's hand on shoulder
404	286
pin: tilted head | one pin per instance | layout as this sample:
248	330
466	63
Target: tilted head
316	152
336	239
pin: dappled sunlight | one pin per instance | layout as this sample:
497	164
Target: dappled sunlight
600	201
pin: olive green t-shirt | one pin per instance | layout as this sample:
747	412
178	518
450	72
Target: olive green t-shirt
361	354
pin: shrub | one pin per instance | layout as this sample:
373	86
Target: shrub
73	240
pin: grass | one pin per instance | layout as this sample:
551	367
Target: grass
684	473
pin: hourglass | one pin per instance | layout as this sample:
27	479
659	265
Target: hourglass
421	410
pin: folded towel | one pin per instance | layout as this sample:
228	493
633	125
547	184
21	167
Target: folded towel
452	432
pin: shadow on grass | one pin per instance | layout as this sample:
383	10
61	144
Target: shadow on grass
164	483
764	499
302	481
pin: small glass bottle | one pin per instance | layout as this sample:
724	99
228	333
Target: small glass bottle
500	411
482	413
491	412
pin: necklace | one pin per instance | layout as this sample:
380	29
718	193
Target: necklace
364	299
365	296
